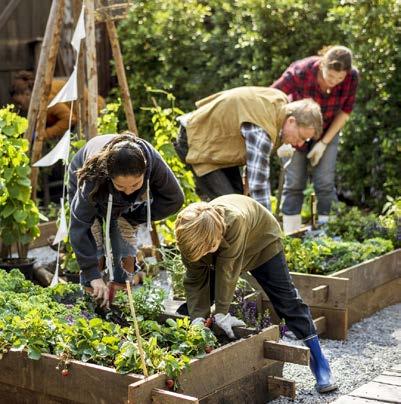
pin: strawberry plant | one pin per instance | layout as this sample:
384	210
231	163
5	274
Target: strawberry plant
34	319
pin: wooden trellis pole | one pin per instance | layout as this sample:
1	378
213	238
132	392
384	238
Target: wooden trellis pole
121	76
91	67
38	104
80	105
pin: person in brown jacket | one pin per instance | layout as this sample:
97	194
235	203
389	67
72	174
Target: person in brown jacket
58	116
219	240
239	127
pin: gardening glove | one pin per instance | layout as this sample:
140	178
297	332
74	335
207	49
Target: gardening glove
285	151
316	153
198	321
227	322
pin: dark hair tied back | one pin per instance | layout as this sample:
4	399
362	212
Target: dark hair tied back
338	58
123	156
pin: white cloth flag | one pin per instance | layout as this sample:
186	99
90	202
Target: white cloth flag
54	281
62	231
79	32
59	152
69	92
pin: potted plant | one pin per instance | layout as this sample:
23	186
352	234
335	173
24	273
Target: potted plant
19	216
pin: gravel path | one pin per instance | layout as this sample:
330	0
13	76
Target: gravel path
373	346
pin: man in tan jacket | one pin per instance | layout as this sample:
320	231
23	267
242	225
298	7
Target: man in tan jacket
219	240
240	127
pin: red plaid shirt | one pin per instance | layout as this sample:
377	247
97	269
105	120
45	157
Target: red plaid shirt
300	81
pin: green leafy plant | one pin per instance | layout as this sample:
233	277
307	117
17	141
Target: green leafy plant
172	262
148	301
33	319
165	131
324	255
352	224
19	216
107	122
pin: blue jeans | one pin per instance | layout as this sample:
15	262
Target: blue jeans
123	244
322	176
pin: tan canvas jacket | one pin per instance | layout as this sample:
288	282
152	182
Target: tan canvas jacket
213	130
252	237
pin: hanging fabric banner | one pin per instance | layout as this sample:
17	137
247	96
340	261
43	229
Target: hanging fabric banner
79	32
59	152
69	92
62	231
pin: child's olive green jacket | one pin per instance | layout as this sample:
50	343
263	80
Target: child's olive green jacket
252	237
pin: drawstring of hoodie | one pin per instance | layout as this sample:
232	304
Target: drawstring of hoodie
148	212
109	254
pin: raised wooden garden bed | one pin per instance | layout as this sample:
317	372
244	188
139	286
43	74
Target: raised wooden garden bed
46	230
241	371
347	296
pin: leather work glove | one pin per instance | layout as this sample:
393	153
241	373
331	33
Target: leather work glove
227	322
316	153
285	151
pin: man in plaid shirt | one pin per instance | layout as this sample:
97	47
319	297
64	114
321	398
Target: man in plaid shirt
332	82
239	127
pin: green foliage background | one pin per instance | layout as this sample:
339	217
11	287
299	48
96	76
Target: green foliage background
19	216
195	48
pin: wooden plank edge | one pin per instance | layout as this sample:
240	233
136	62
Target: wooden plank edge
281	386
160	396
280	351
320	325
140	391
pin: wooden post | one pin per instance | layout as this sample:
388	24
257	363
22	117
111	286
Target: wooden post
137	333
41	89
91	68
51	34
313	210
122	78
81	127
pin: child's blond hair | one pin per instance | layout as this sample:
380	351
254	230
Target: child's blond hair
198	228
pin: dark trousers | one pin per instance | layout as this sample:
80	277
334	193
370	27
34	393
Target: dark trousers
220	182
217	183
275	279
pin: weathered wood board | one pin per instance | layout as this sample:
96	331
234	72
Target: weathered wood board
371	274
86	383
385	388
238	369
218	369
352	294
374	300
252	388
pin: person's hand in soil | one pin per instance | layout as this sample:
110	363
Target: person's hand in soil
100	292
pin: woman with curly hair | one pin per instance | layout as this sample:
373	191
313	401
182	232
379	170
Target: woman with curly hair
122	180
331	80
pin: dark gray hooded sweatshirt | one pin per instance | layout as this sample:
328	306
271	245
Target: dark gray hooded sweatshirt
165	198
